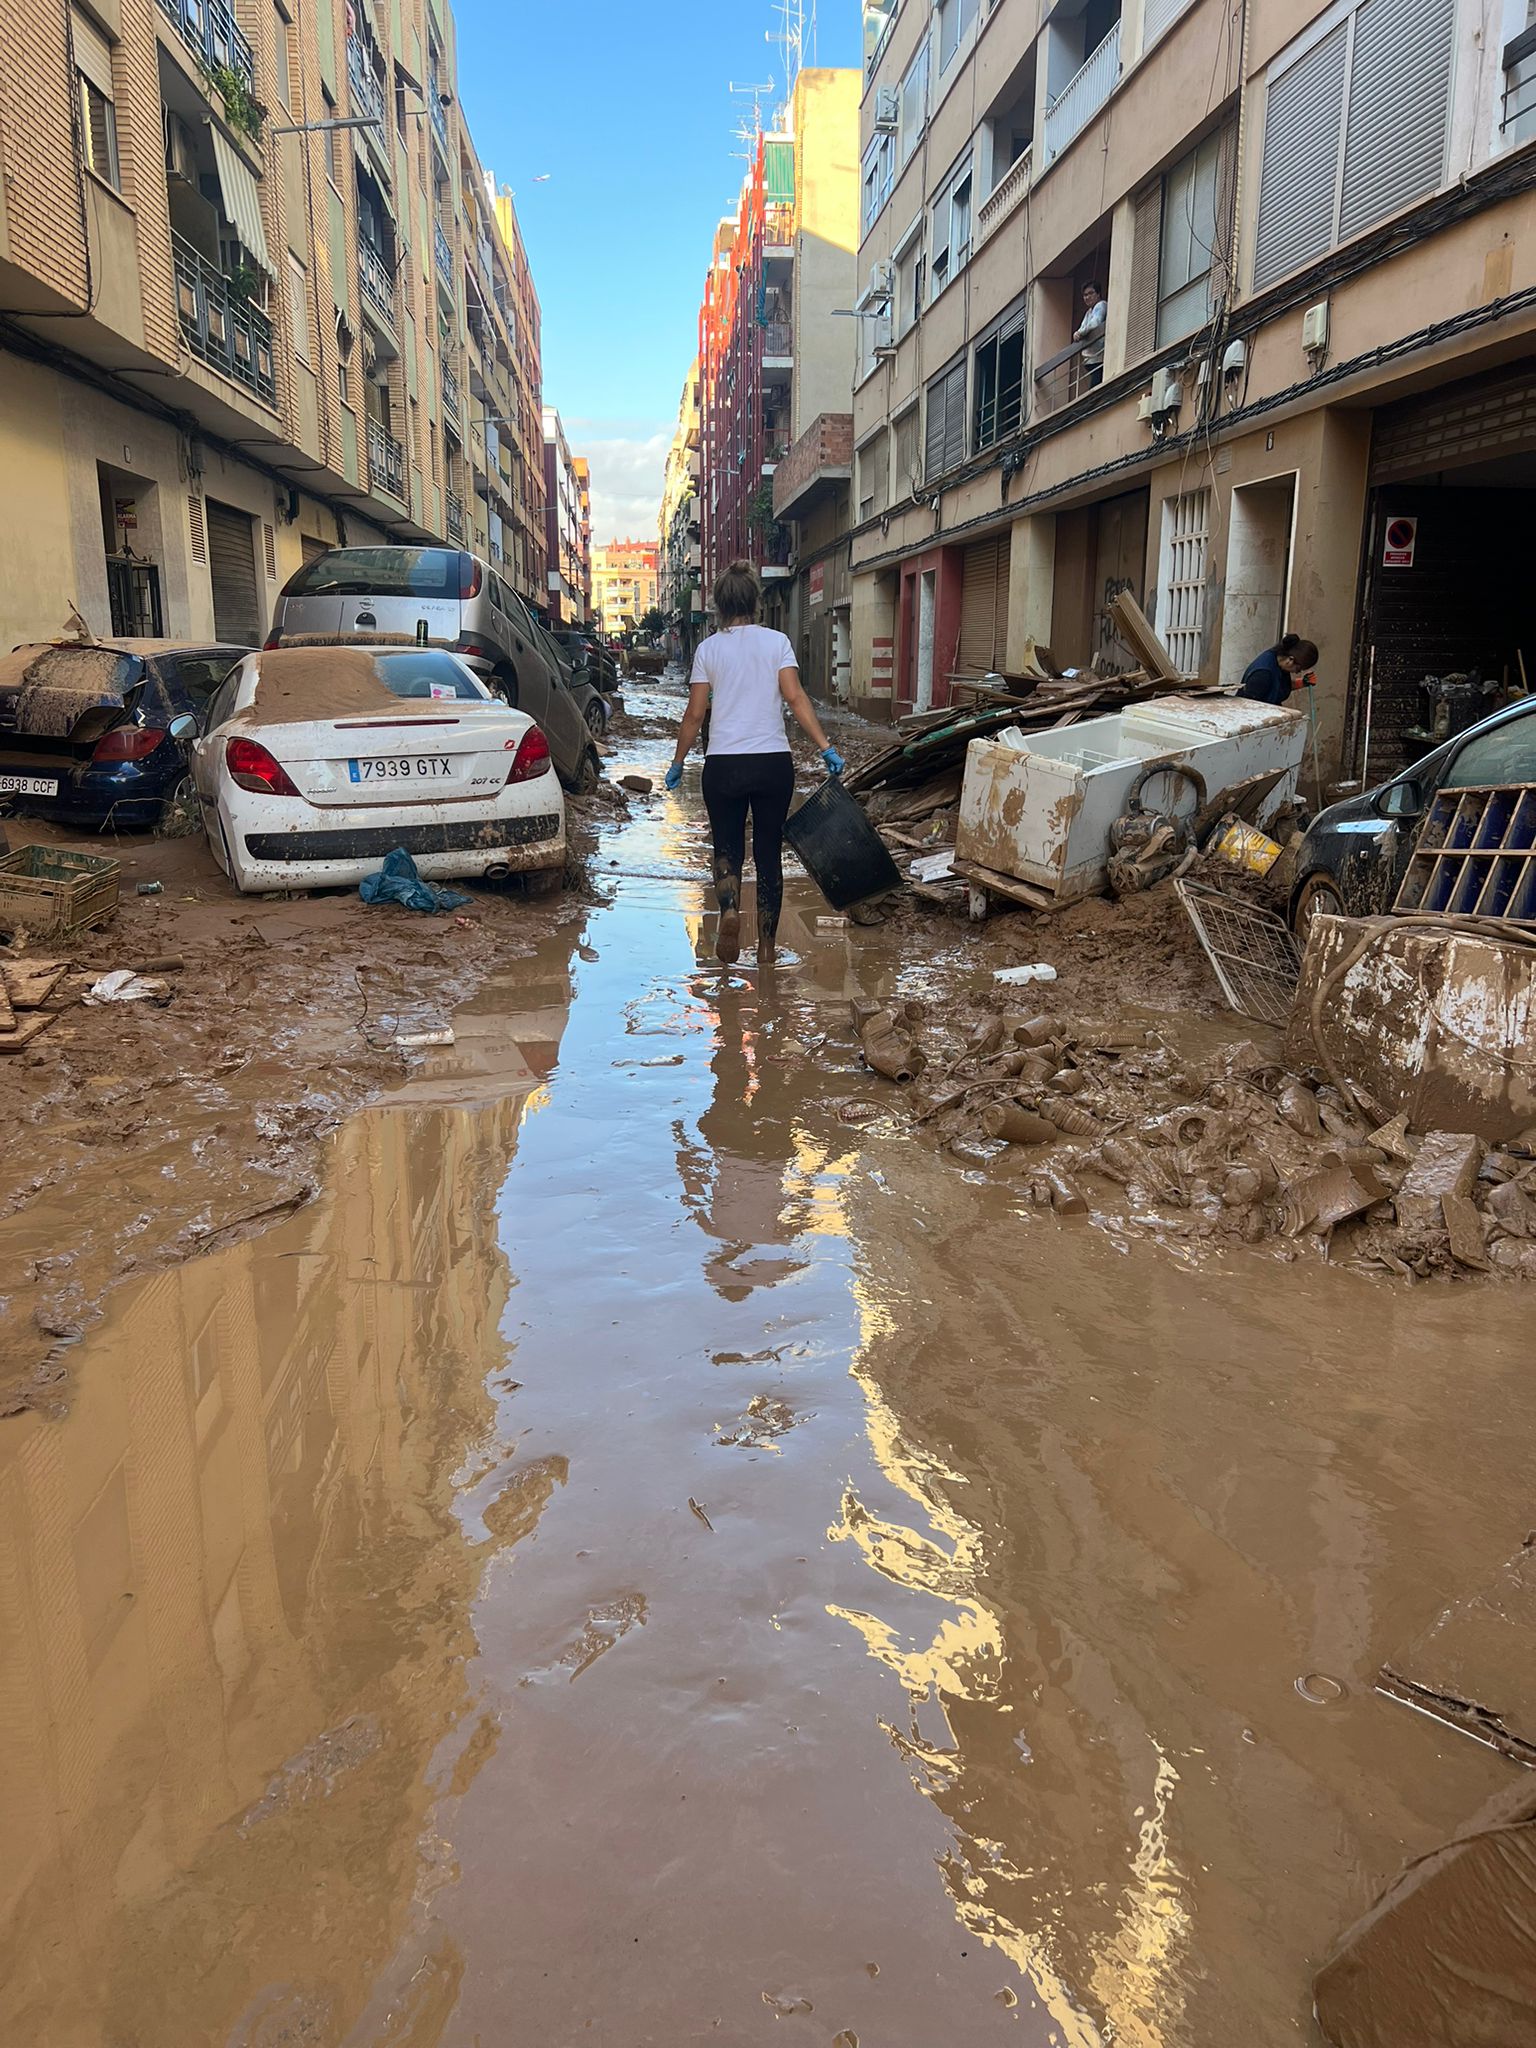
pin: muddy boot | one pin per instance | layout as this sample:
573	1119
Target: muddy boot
767	950
728	938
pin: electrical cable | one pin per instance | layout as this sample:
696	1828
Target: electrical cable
77	152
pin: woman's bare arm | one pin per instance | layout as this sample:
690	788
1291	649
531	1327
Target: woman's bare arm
693	721
792	690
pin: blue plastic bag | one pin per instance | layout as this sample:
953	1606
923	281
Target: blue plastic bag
399	882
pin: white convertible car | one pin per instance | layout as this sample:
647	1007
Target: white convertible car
312	763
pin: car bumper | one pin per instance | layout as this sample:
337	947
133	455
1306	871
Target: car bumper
340	857
90	796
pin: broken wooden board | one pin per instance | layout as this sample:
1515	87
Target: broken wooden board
1007	885
1137	632
1473	1669
27	1027
29	983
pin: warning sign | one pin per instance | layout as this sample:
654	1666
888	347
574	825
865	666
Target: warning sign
1402	537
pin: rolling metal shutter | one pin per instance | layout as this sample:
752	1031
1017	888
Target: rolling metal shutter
1157	16
237	611
984	606
1399	107
1146	241
1303	122
945	445
1477	420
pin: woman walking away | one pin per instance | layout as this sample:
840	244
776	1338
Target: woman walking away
744	675
1286	666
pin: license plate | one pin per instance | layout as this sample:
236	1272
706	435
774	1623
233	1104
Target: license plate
30	785
402	768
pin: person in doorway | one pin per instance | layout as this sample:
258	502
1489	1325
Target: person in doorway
1090	330
744	675
1271	676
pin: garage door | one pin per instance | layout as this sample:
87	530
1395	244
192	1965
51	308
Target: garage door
984	607
1481	419
237	607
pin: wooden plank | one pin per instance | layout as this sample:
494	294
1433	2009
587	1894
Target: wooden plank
27	1028
7	1014
29	983
1136	631
1006	885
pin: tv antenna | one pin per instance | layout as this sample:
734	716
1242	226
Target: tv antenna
745	135
796	37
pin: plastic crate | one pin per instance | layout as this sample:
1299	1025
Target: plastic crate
50	892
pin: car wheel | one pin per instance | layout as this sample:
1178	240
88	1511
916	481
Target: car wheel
180	814
1319	895
597	725
590	773
546	882
504	683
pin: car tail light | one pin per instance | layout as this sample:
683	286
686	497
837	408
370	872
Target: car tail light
472	651
272	640
128	743
252	767
532	757
469	577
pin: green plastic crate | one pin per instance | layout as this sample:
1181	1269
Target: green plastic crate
50	892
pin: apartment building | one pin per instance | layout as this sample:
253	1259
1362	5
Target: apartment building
624	583
1311	403
775	336
565	602
582	471
257	301
680	551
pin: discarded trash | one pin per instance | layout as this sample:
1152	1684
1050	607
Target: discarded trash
831	924
700	1512
444	1036
1318	1689
1019	1126
841	851
933	867
888	1043
1257	962
149	889
1245	846
1471	1667
1017	977
399	881
125	985
47	889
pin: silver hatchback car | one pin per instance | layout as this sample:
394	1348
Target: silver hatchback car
445	597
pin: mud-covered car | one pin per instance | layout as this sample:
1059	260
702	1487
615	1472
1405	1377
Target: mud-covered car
85	732
1352	861
588	658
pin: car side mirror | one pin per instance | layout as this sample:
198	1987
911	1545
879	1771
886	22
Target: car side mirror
186	727
1401	800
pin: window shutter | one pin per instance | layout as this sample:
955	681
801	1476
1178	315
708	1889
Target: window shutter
1303	123
93	53
1158	16
984	606
199	531
1399	105
954	416
933	449
1146	239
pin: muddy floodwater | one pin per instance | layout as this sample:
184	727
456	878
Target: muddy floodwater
643	1560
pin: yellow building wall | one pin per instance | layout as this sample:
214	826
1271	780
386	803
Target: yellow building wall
36	542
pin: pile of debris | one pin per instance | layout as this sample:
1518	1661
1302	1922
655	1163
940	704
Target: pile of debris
1244	1150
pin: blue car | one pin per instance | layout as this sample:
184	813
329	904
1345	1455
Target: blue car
85	731
1352	861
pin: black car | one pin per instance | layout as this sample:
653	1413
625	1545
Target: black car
1352	861
581	647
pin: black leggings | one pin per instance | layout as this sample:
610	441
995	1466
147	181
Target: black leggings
762	784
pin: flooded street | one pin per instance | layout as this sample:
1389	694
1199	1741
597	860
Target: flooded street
640	1559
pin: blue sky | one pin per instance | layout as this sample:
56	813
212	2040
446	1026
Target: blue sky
626	108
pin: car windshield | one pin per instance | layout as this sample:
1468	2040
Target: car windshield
428	674
201	674
1506	754
383	572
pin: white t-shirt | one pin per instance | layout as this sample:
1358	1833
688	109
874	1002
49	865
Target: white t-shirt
741	666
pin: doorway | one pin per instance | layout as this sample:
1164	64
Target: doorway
1258	572
922	694
232	568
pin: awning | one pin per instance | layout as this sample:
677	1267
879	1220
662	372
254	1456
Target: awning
242	197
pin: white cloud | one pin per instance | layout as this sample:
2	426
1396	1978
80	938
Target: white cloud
628	470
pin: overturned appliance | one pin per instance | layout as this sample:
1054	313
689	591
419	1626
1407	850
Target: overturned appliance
1037	810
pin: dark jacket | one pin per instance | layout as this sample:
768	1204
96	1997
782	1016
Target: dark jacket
1266	680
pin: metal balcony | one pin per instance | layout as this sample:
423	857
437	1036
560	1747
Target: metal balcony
367	92
455	516
1010	191
453	403
219	326
386	461
210	32
438	118
376	280
442	248
1082	96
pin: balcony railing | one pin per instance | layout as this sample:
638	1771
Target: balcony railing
778	226
1006	195
376	279
367	92
455	516
452	400
209	30
218	326
386	461
778	339
1081	97
435	112
442	249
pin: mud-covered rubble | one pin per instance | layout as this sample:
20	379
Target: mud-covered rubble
1094	1116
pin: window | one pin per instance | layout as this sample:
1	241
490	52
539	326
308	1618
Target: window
911	268
1181	578
1517	105
1355	126
283	58
344	383
298	308
951	229
335	141
906	463
945	441
955	20
879	175
1000	381
914	103
1188	245
98	113
1507	754
874	475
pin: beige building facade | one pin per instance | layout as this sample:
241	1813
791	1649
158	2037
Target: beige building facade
624	583
1315	409
679	555
259	299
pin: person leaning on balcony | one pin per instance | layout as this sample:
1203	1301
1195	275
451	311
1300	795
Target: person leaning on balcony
743	676
1271	676
1090	331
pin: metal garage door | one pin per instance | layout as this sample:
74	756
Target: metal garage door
984	607
237	606
1479	420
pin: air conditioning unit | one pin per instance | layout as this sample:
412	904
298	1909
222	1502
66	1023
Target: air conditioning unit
887	109
1145	409
1314	328
882	282
1167	391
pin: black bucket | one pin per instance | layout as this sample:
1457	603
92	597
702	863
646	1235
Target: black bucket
842	852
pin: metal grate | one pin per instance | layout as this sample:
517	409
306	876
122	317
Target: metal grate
1475	856
1186	538
1256	960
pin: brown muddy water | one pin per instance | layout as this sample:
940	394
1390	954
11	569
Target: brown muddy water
641	1560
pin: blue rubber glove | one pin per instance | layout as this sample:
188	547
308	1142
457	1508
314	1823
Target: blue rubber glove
834	760
674	774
